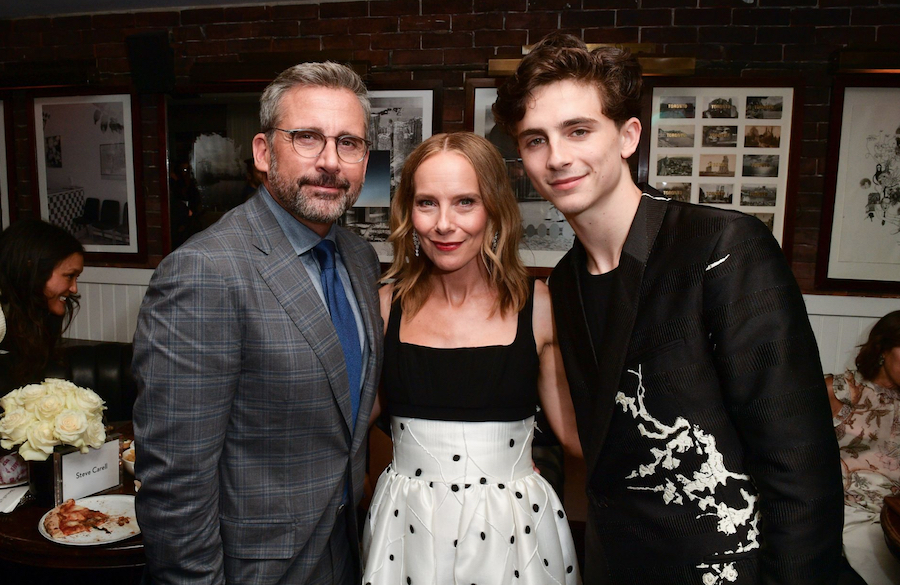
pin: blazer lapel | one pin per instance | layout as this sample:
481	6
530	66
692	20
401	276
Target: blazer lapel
289	281
620	319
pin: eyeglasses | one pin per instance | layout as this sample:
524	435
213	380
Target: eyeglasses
310	144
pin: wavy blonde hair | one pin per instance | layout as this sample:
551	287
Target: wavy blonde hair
506	272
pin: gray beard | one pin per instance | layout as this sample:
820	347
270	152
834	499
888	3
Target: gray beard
317	210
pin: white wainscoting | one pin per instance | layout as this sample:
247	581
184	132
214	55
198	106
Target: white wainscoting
841	324
111	298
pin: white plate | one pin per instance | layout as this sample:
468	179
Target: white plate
3	486
112	505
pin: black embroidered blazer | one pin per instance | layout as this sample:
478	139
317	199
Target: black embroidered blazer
702	411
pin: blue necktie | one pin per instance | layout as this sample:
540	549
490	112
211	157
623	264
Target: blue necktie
342	317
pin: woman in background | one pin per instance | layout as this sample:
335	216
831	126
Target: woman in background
39	267
470	348
865	404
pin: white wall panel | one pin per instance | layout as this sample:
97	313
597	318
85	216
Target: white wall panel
111	299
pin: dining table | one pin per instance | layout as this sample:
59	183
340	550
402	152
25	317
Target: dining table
24	549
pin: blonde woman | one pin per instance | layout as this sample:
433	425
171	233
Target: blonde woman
470	351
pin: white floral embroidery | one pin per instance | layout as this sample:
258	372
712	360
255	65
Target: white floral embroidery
700	488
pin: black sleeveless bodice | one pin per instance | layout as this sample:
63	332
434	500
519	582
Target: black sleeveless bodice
493	383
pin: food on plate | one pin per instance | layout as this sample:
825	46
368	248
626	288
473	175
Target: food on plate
69	518
128	455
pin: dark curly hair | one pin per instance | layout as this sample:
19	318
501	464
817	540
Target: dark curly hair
885	336
615	73
29	251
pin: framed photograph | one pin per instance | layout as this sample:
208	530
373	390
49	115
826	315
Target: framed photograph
402	116
859	240
547	234
5	199
209	166
86	170
725	143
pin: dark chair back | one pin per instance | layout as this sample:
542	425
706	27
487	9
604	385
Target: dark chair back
89	213
105	368
109	213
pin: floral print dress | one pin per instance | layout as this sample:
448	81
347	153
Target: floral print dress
869	437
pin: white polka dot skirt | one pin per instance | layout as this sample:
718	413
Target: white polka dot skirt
462	504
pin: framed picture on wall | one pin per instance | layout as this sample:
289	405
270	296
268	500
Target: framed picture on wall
402	116
87	171
547	234
5	199
859	239
724	143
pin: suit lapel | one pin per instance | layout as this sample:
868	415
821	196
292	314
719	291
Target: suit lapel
620	319
289	281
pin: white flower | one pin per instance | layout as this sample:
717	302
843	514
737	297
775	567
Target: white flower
9	402
14	426
41	416
95	434
40	443
26	396
49	406
709	579
70	426
85	400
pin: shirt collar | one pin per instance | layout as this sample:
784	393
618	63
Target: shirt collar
302	238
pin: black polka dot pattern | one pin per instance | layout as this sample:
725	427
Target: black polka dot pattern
472	482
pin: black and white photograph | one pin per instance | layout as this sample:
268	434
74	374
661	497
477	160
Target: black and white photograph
720	136
675	190
765	107
677	107
547	235
760	165
720	107
860	232
400	120
675	137
729	141
717	165
762	136
674	166
716	193
767	218
758	195
86	169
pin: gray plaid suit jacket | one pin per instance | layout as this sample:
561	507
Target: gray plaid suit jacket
242	424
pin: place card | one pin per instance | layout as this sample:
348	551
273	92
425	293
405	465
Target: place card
85	474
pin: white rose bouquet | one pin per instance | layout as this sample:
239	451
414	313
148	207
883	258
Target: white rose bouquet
56	412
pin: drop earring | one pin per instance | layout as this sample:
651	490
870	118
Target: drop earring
881	360
416	243
494	242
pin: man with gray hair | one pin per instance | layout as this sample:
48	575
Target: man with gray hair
257	355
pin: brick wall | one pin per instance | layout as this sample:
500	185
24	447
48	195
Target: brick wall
452	40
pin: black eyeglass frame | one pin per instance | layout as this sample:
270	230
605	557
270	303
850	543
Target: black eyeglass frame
291	133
